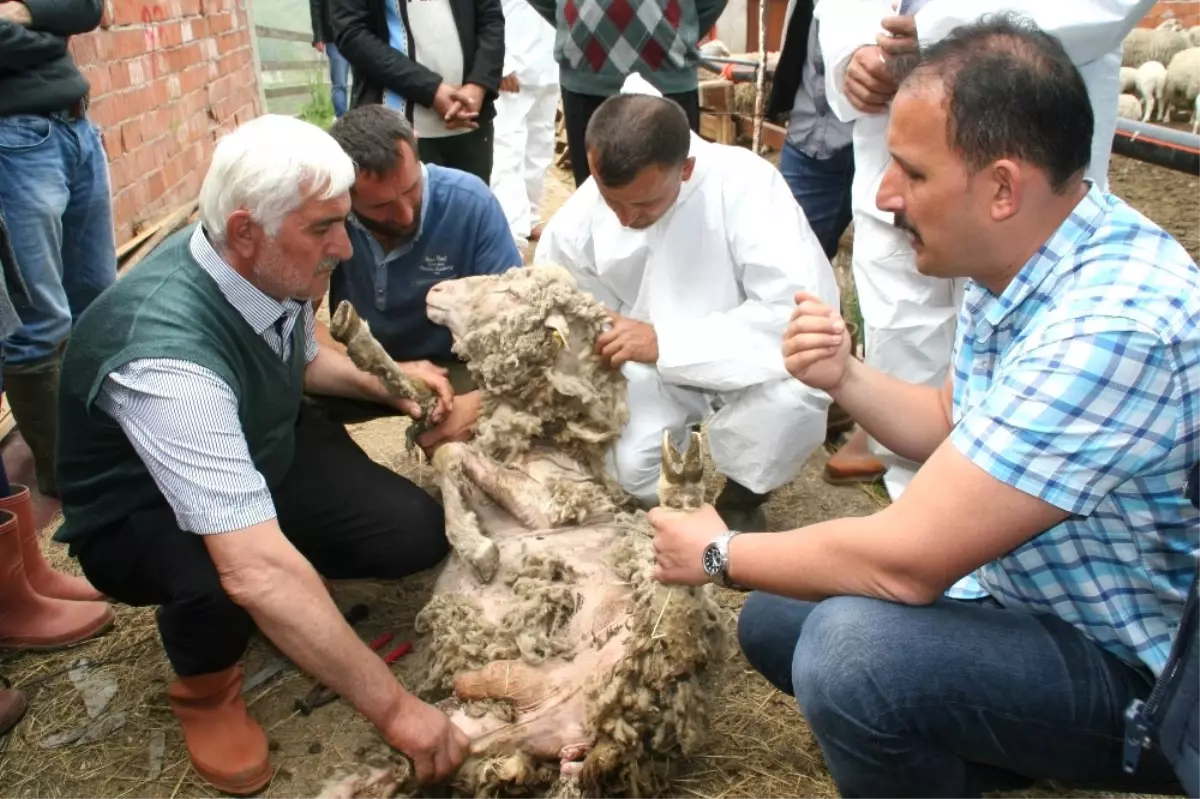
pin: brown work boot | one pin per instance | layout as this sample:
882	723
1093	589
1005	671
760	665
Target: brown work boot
853	463
45	581
12	706
29	620
227	746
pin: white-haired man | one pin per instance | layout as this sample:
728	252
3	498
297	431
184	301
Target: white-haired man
192	479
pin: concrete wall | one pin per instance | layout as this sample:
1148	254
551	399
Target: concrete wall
167	78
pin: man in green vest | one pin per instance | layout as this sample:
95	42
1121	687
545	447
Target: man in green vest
194	479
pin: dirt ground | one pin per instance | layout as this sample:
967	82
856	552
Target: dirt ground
759	744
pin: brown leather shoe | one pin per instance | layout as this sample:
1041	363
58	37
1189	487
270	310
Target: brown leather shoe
45	580
29	620
12	706
853	463
227	747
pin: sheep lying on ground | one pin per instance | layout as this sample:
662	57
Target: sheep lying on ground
1146	44
1182	83
547	639
1129	107
1149	80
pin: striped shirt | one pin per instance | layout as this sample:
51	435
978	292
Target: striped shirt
183	419
1080	385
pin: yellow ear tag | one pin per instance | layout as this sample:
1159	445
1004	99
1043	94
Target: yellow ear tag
561	341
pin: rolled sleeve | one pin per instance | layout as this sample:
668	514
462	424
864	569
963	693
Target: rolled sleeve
1075	415
182	420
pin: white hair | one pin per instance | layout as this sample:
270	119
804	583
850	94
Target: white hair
270	166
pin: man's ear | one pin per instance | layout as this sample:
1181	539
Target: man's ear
688	166
242	233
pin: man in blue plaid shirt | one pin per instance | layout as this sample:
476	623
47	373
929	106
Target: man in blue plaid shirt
991	626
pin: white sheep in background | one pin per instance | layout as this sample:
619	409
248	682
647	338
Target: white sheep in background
1149	79
1129	107
1182	83
1171	24
1194	35
1149	44
1128	80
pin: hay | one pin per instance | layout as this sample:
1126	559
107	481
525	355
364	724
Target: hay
758	743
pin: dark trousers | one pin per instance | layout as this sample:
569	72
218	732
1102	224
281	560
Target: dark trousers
578	110
351	518
822	188
469	152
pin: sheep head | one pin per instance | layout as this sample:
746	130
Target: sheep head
528	338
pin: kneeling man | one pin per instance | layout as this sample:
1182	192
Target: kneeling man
193	480
699	250
413	225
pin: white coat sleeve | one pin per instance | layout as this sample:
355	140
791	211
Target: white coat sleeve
844	26
566	241
513	60
1088	29
776	255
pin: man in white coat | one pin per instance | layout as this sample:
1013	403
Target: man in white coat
910	319
699	251
524	126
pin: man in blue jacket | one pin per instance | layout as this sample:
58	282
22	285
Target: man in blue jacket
412	226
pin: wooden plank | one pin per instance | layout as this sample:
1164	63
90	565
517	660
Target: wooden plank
718	127
291	66
172	223
284	34
286	91
773	135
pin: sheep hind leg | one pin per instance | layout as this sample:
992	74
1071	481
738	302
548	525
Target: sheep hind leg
462	525
518	493
681	478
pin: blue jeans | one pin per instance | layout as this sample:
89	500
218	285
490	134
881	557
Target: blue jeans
822	187
54	197
950	699
339	74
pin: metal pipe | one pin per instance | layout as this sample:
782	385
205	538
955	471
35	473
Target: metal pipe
1158	145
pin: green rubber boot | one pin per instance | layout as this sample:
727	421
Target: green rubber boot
32	391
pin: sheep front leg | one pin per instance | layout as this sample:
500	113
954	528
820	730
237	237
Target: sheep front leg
462	525
351	330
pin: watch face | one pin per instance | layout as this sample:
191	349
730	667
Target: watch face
712	560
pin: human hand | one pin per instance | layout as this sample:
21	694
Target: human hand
627	340
445	101
509	83
319	46
816	344
435	378
427	737
680	538
869	84
457	426
902	39
464	111
15	12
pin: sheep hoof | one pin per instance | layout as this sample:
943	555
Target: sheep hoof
485	561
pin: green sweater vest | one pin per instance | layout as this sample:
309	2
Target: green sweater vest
166	307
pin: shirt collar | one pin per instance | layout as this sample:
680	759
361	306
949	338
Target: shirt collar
260	310
1082	222
420	225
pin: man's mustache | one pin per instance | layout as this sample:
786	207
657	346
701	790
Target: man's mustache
902	222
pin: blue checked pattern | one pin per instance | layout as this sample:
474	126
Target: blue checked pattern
398	39
1080	384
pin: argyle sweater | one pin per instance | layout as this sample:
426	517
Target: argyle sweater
598	43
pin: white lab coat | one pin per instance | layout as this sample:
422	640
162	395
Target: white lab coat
716	276
910	319
523	144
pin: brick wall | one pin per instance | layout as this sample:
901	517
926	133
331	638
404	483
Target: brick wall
1186	11
168	77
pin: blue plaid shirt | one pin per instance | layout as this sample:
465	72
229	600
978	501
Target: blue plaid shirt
1080	385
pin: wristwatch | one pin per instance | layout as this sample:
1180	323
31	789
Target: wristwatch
716	560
